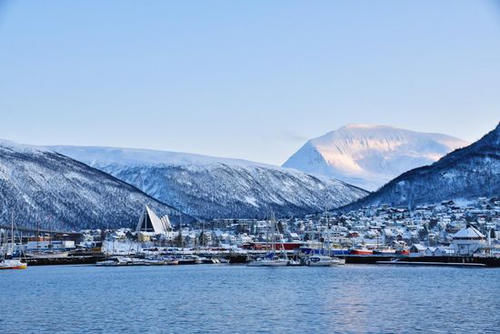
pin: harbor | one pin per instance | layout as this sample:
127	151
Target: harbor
325	240
249	167
171	256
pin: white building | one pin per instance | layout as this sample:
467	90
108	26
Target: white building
149	222
468	240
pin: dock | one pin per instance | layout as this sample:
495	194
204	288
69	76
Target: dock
64	260
419	263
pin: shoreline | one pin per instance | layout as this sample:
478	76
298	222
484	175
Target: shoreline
463	261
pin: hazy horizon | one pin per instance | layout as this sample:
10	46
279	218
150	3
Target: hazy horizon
203	154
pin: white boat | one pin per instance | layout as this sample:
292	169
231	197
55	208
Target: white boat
189	259
322	261
268	262
12	264
295	263
272	259
47	254
115	262
8	248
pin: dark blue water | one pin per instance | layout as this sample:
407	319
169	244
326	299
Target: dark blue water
239	299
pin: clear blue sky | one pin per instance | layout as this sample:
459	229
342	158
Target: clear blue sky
246	79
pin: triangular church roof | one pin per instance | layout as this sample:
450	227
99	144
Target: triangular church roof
149	222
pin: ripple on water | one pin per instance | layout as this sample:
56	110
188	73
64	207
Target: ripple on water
239	299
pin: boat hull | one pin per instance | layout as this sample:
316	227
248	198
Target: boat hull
361	252
322	264
268	264
324	261
12	264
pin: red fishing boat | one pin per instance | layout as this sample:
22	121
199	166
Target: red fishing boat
361	251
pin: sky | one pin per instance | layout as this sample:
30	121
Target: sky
244	79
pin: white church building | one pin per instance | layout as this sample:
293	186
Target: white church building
468	241
149	222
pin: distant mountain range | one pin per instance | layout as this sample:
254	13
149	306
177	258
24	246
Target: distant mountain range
466	173
210	187
56	192
369	156
70	188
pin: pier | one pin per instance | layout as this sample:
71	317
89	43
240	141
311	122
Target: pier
243	258
63	260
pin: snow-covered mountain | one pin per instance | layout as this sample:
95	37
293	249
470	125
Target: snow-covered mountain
210	187
45	188
370	155
466	173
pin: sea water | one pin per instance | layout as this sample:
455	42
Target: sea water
240	299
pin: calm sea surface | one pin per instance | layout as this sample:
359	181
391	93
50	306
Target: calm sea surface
239	299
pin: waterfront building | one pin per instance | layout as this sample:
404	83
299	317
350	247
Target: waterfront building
149	222
468	241
417	250
443	251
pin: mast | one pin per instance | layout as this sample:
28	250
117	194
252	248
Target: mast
273	233
37	235
2	247
12	232
50	234
329	238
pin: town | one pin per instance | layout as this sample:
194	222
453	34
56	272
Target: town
450	228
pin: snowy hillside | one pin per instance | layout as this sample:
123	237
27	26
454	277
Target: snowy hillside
467	173
370	155
211	187
56	192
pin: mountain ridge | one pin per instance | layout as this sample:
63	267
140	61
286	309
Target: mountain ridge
465	173
42	187
369	155
234	188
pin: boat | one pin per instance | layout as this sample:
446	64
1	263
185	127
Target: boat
153	262
117	261
189	259
268	262
12	264
405	252
361	251
272	259
384	251
171	261
295	263
214	260
47	254
209	260
326	256
323	261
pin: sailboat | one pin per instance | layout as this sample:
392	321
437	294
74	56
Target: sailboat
321	261
324	260
11	263
272	259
